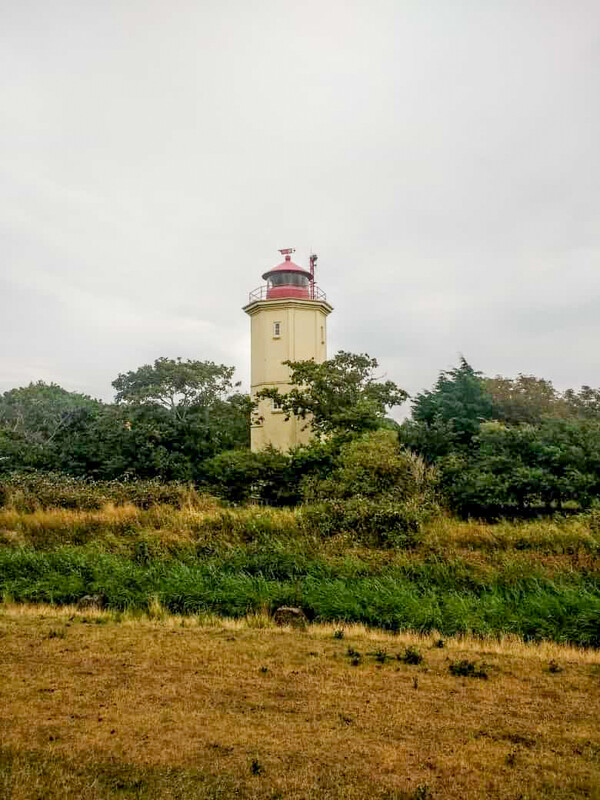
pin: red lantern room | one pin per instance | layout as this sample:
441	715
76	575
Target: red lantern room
288	280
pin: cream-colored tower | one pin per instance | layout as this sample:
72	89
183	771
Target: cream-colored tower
288	320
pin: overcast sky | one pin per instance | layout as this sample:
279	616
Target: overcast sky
441	156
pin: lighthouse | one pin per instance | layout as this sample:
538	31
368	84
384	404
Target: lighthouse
288	322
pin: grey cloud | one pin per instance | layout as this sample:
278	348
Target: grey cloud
441	157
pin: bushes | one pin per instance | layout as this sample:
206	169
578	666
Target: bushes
269	477
242	475
373	465
35	490
379	523
457	578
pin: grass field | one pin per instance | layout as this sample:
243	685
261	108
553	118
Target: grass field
537	579
109	705
183	687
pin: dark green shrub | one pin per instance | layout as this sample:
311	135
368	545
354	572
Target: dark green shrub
381	523
468	669
422	792
242	475
256	767
410	656
380	655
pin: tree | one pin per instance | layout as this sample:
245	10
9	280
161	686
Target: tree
175	384
38	412
448	417
525	465
584	404
523	399
170	417
151	441
35	421
530	399
339	396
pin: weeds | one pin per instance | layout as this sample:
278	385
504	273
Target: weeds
33	491
411	655
422	792
226	585
256	767
468	669
380	655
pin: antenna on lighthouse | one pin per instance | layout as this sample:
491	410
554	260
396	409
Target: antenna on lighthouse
313	263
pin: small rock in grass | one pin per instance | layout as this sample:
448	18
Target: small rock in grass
288	615
91	601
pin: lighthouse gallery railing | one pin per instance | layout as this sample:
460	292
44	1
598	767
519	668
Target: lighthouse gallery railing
314	293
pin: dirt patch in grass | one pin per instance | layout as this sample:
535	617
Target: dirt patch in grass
98	706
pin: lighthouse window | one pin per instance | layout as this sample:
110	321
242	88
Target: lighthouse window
276	330
288	279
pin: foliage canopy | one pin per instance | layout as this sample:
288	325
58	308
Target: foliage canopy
340	396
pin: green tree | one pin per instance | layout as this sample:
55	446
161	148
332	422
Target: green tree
35	421
150	441
448	417
343	395
169	419
584	404
39	412
525	465
175	384
523	399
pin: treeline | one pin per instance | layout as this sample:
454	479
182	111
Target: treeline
483	446
499	444
167	420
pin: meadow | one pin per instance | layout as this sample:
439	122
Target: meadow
538	579
106	704
453	659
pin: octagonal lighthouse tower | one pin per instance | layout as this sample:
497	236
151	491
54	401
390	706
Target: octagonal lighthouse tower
288	318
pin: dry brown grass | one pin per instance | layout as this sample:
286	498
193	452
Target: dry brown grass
116	527
174	707
558	535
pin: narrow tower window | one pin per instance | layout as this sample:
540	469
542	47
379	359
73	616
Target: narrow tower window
276	330
322	334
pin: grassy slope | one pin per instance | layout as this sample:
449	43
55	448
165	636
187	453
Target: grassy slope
171	707
537	579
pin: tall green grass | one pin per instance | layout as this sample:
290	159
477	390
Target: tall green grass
383	564
443	596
